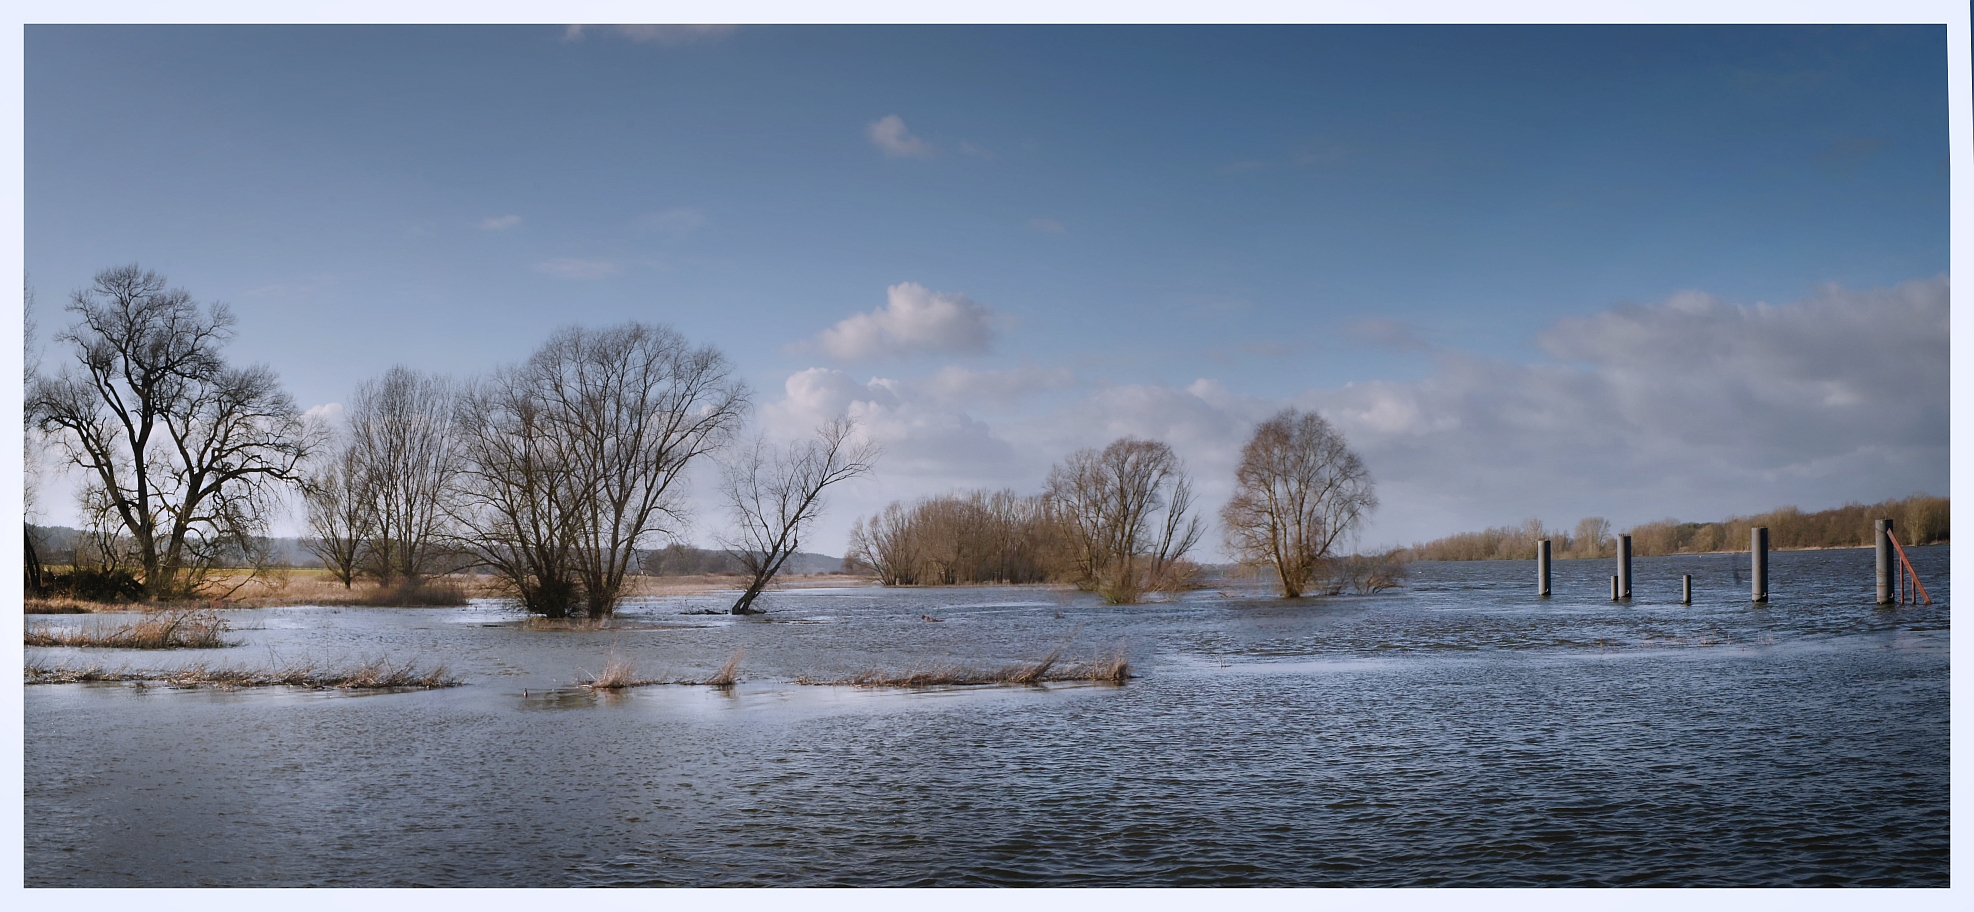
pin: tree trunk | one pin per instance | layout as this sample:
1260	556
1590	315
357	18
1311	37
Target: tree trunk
36	584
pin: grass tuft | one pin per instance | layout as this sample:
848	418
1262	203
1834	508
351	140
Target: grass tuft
617	674
728	673
169	629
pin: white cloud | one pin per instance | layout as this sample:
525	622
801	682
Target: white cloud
668	35
499	223
1691	407
1047	226
890	136
967	148
923	438
677	221
574	268
913	320
329	415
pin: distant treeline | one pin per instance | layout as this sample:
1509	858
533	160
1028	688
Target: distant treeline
971	537
1917	520
1116	521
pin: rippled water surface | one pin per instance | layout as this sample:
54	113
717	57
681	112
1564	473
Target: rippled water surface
1456	732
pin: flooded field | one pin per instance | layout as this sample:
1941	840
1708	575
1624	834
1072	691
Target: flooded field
1458	731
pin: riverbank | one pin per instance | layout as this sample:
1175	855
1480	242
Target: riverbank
306	586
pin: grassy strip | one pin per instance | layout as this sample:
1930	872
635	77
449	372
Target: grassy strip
1109	669
170	629
378	674
619	674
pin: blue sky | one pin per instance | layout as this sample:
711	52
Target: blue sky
1531	271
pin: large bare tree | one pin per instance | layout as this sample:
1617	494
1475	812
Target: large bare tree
406	461
571	459
184	454
1126	513
1298	491
775	494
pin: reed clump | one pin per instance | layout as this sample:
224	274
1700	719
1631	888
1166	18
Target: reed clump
200	628
617	674
1107	668
377	674
729	674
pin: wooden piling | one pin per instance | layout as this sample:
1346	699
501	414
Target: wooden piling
1888	582
1614	588
1542	568
1624	567
1686	589
1758	558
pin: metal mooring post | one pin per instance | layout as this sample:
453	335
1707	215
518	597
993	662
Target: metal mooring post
1614	588
1686	589
1887	566
1542	568
1758	552
1624	567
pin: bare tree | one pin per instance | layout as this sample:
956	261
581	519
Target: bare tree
571	459
1592	538
183	453
889	543
405	460
1126	513
775	495
1298	491
339	510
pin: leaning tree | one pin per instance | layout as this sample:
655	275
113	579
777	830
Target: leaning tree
774	495
183	454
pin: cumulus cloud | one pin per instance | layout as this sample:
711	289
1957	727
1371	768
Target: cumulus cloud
913	320
889	135
499	222
667	35
922	437
967	148
575	268
1691	407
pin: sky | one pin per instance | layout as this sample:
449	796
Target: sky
1529	271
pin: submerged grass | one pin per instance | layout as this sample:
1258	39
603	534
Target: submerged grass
377	674
619	674
170	629
1108	668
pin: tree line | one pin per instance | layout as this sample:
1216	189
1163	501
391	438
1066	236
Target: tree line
1120	521
1920	519
555	474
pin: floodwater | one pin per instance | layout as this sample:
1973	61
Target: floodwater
1459	731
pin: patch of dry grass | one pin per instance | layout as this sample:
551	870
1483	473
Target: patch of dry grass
617	674
1111	668
169	629
61	606
308	586
729	674
377	674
